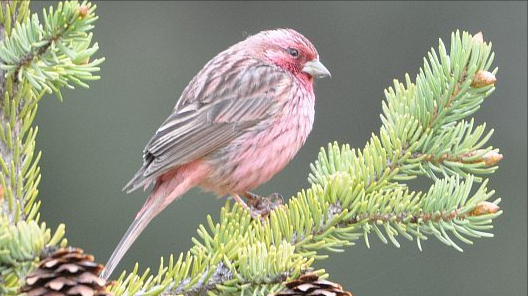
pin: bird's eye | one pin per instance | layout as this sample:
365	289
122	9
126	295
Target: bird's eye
293	52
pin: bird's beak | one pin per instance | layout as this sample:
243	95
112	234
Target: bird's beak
316	69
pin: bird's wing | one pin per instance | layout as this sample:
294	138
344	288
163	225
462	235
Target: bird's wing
214	109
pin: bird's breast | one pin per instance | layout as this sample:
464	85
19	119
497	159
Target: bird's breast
258	155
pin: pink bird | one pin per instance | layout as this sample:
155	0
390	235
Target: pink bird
239	122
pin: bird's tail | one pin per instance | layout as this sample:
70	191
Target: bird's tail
168	187
138	225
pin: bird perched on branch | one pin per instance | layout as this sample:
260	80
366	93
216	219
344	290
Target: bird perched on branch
240	120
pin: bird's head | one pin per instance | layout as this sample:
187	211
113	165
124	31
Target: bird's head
291	51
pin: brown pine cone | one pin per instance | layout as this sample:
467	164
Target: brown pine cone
310	285
66	272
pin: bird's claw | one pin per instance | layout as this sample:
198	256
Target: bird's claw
261	206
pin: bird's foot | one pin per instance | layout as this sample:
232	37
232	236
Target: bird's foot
240	201
261	206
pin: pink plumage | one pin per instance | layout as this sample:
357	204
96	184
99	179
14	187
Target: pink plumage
240	121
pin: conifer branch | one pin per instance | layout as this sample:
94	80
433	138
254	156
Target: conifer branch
35	59
356	193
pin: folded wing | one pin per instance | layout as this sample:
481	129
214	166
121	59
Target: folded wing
216	108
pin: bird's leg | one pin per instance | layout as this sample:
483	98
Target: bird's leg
239	200
251	197
259	205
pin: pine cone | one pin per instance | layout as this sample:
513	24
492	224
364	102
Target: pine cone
310	285
66	272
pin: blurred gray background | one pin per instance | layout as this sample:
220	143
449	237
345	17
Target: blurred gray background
92	143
